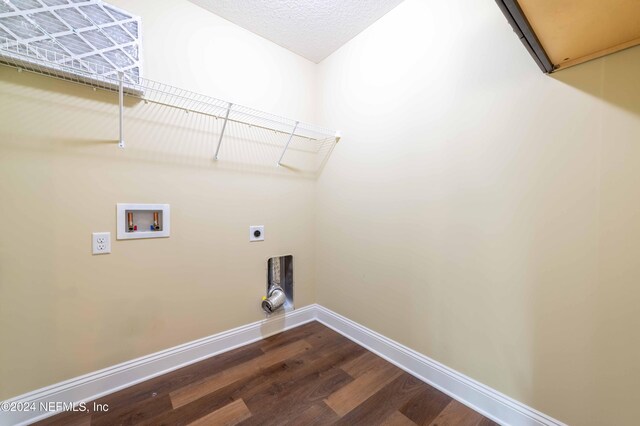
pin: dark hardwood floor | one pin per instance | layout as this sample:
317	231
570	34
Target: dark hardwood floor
310	375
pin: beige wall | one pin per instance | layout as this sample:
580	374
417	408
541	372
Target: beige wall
483	213
476	210
64	312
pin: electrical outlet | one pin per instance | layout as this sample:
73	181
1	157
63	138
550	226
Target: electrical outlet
101	242
256	233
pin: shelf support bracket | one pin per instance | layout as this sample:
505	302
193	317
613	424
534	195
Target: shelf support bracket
121	102
288	142
224	126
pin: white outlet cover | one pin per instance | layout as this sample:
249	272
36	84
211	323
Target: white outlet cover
101	242
256	233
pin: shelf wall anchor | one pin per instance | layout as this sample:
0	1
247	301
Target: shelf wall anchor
288	142
224	126
121	102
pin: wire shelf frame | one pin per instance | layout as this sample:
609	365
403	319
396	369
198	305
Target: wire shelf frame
82	29
36	59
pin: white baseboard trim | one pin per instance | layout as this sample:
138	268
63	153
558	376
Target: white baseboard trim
94	385
479	397
483	399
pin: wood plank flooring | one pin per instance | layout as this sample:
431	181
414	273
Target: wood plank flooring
310	375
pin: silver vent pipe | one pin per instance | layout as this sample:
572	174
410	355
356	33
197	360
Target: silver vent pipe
274	300
279	285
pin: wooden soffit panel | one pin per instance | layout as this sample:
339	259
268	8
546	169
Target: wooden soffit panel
575	31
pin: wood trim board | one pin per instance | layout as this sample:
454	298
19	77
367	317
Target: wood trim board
563	33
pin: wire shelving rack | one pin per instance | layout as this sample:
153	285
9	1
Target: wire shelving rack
28	57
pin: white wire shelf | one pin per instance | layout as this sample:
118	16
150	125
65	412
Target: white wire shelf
28	57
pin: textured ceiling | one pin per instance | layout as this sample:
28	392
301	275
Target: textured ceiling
311	28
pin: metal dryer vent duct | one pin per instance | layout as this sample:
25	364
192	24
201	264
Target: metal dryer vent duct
279	285
275	300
